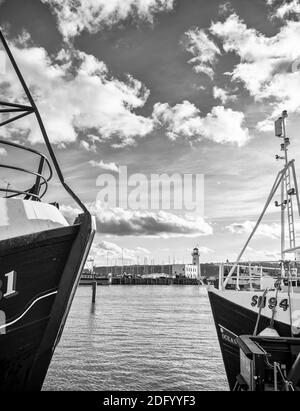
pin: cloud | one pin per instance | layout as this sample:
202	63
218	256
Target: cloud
87	146
223	95
286	8
266	63
91	144
225	8
266	125
265	230
252	254
104	166
205	250
120	222
3	152
204	50
105	250
75	93
272	231
221	125
94	15
69	212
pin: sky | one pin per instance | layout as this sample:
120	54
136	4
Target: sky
182	87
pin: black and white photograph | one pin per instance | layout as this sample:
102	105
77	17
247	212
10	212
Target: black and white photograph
149	198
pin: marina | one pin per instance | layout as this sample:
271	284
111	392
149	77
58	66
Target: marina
194	273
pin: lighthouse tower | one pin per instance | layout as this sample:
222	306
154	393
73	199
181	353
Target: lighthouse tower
196	260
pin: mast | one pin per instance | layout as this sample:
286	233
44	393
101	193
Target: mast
282	221
284	179
287	192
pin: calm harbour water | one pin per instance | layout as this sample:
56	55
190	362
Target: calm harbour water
138	338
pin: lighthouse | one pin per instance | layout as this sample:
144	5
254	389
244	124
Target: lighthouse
196	260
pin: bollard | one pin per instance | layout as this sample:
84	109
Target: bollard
94	291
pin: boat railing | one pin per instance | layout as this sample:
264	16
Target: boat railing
40	177
251	276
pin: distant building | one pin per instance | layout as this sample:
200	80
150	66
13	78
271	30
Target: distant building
185	270
195	270
192	271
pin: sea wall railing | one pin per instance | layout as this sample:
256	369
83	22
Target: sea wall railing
41	176
250	276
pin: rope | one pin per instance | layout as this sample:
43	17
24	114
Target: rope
286	382
290	309
276	366
277	285
259	312
288	276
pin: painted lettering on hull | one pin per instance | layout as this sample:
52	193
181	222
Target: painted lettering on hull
8	285
228	336
7	290
271	303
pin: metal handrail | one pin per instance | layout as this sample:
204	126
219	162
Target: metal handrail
32	108
40	180
238	277
31	150
19	192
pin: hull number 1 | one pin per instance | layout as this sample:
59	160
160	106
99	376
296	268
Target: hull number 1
8	285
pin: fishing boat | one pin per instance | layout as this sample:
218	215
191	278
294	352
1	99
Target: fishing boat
262	300
41	255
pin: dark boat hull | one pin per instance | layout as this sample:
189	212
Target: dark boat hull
46	269
232	320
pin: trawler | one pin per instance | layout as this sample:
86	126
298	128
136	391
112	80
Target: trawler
41	255
262	301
